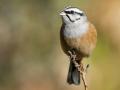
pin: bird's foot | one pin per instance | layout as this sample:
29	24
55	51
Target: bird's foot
72	55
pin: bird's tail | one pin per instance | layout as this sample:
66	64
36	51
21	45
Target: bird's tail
73	74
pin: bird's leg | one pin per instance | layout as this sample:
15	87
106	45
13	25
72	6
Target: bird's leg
72	56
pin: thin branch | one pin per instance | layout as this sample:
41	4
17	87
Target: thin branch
80	67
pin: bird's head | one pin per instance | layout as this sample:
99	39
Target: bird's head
73	15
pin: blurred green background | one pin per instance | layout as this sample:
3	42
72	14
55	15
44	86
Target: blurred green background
30	54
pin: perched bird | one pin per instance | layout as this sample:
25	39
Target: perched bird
78	36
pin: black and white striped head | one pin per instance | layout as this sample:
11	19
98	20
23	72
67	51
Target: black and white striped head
73	15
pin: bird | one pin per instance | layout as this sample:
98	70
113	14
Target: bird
78	37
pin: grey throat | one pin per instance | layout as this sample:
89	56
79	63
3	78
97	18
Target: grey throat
74	30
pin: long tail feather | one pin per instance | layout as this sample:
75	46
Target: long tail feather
73	74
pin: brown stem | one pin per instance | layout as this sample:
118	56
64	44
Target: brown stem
79	67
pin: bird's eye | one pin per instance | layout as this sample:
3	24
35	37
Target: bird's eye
69	12
72	12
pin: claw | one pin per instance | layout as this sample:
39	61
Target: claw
72	55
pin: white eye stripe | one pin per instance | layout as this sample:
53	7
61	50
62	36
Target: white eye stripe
74	9
73	12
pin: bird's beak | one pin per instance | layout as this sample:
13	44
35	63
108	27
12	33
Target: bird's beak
62	13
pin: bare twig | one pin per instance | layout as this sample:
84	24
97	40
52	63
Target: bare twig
79	67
